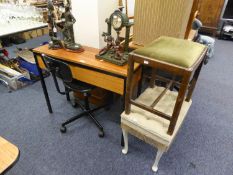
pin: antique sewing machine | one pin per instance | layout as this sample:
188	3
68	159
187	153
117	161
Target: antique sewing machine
114	51
67	30
66	26
55	42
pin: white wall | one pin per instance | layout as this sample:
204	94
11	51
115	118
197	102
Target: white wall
90	16
86	27
106	8
131	5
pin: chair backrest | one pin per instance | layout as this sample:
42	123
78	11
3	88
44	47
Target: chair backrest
155	18
60	68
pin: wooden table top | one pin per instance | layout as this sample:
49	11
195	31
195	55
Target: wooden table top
86	58
9	154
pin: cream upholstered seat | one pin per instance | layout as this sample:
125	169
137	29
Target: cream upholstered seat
150	124
150	127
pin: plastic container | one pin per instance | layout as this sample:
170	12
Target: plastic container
11	77
32	68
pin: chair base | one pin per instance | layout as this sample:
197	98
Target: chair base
86	112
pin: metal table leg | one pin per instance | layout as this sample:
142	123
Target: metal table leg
43	85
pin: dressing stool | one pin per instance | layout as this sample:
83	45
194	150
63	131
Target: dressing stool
158	113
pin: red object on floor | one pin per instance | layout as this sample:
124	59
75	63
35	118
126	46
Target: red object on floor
5	52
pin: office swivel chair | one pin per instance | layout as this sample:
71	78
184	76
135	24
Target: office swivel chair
62	70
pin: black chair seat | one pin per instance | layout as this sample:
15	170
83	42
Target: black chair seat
80	86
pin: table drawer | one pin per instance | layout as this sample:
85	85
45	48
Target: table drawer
105	81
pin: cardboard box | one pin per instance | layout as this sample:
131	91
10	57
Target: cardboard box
45	31
26	35
39	32
33	33
98	97
11	77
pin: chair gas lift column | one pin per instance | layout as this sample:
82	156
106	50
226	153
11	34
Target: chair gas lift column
157	114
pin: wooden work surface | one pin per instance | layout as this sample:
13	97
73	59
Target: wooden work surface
86	68
9	154
86	58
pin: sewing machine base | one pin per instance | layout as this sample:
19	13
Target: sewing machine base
109	57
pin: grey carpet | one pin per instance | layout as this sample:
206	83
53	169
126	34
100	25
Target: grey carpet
204	145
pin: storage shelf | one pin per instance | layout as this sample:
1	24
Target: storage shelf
44	4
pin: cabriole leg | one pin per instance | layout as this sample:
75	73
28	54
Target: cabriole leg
157	159
125	135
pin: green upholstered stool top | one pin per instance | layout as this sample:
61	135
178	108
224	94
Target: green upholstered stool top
180	52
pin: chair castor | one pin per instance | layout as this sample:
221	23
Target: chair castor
63	129
101	134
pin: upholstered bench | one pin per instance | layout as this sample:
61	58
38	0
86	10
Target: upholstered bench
158	113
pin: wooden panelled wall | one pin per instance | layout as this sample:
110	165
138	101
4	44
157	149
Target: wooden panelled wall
210	11
154	18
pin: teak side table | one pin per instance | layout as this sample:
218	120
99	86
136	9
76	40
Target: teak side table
9	155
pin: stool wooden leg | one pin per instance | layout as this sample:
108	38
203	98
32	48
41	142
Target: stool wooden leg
157	159
125	135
